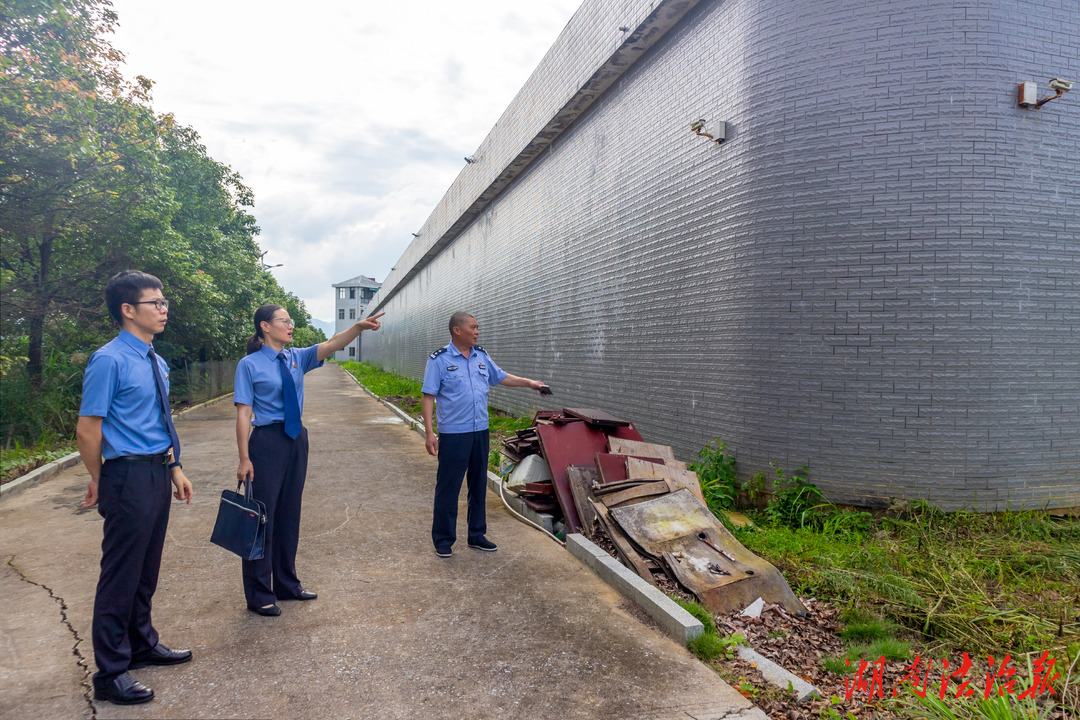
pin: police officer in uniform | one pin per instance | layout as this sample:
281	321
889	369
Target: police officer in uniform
457	380
125	417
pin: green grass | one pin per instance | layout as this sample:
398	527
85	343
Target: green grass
382	383
406	392
860	626
700	613
976	582
19	460
890	648
837	664
505	425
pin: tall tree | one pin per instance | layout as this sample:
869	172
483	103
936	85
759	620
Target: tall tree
79	174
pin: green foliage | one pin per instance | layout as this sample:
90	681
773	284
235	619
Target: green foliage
716	473
860	626
837	664
93	181
383	383
794	498
307	336
710	646
982	582
19	460
42	416
700	612
1007	706
888	647
502	425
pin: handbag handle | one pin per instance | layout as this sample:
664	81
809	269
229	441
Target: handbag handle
248	496
247	488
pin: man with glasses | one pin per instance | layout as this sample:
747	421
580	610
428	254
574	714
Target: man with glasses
125	419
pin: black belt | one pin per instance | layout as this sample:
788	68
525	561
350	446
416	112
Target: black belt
156	459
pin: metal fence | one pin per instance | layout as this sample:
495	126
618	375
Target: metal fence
197	382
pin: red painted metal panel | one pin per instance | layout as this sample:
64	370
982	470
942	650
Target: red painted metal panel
574	444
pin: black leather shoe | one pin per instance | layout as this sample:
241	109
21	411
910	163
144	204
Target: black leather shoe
305	595
272	611
161	655
122	690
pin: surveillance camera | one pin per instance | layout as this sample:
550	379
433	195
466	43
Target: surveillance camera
1062	85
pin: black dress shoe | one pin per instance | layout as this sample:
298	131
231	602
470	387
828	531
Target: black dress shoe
305	595
272	611
122	690
161	655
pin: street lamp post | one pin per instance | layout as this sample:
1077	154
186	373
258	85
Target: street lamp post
262	261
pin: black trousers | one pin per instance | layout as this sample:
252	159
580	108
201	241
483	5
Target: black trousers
134	499
280	464
460	454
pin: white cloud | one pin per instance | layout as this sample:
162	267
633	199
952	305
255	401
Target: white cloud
348	120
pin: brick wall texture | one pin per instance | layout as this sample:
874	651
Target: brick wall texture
877	274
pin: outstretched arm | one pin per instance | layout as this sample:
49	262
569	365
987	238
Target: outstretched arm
515	381
343	338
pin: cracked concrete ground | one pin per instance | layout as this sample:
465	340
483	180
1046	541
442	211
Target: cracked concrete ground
526	632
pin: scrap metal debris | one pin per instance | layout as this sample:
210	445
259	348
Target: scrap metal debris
612	485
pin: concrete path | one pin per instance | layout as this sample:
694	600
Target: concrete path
526	632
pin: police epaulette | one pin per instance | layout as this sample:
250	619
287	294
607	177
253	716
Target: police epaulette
437	353
480	348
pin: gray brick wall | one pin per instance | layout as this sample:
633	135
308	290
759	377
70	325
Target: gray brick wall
878	274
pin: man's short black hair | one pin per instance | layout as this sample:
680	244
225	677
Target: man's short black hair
458	320
125	287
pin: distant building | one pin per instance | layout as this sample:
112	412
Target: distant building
352	296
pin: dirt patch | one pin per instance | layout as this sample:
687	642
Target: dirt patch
408	403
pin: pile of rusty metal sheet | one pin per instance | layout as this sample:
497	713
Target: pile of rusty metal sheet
575	443
606	478
540	497
523	444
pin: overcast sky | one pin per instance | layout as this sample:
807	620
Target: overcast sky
348	119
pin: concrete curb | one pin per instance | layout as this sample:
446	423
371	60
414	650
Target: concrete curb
777	675
54	468
680	625
676	622
38	475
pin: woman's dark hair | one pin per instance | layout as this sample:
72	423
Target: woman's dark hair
125	287
265	313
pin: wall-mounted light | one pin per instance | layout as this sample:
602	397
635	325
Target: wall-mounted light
715	130
1028	91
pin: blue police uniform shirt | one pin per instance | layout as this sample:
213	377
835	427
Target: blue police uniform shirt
119	387
258	381
461	386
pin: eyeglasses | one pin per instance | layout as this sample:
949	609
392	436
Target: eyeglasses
287	322
160	303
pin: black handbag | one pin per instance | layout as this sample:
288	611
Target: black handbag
241	523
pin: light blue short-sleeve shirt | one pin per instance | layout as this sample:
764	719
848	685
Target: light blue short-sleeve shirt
461	386
119	388
258	381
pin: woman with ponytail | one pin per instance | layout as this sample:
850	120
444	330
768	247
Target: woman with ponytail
273	446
